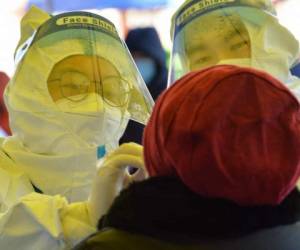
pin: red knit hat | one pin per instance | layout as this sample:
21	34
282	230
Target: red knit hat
227	132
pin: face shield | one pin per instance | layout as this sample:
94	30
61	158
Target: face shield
76	67
240	32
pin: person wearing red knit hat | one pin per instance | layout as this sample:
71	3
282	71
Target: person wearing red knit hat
222	149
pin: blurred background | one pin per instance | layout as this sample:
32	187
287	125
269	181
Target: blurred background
126	14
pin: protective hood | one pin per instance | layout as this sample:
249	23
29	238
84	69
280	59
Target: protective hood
74	89
239	32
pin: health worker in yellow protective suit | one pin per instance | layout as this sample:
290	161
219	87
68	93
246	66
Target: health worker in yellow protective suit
240	32
73	92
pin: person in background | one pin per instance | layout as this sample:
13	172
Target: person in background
222	149
150	58
4	124
244	33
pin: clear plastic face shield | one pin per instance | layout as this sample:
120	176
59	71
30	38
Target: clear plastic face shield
208	32
88	73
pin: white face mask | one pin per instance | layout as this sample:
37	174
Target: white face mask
274	65
91	103
242	62
94	121
64	161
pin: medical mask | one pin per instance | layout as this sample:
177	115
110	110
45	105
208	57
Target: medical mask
86	104
273	64
242	62
64	161
147	68
94	121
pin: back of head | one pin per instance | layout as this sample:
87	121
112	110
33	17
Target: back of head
227	132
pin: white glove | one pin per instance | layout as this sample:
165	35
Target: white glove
112	177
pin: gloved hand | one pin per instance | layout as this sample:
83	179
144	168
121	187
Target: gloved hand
112	177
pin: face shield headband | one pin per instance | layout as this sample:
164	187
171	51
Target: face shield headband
71	20
196	8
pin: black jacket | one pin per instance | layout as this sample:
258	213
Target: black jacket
163	209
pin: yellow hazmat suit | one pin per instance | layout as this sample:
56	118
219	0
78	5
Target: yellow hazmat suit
73	92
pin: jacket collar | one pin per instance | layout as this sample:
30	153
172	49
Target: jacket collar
162	207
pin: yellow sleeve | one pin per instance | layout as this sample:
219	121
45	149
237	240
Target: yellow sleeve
32	221
44	222
76	223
